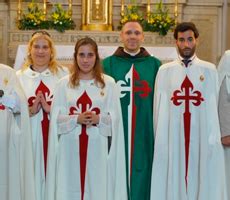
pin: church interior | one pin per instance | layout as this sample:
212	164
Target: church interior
101	20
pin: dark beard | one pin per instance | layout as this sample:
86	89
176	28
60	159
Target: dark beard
184	53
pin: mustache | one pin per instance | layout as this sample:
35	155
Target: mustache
187	48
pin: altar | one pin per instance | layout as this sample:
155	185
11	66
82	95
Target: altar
162	47
65	53
206	14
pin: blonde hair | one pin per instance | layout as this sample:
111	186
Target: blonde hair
97	69
53	65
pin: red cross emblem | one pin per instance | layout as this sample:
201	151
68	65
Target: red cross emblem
186	94
45	121
83	104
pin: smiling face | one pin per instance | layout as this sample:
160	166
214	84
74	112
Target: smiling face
86	59
40	52
132	36
186	43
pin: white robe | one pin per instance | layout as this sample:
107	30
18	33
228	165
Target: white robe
16	158
105	177
224	108
31	81
206	171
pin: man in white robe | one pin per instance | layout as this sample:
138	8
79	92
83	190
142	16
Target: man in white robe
16	161
224	110
188	158
104	177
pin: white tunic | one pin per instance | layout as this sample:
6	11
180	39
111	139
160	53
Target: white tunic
105	176
224	108
205	172
16	158
32	82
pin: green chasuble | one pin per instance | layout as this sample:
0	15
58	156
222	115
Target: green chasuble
135	76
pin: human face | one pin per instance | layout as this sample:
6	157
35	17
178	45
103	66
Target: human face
86	59
40	53
186	44
132	36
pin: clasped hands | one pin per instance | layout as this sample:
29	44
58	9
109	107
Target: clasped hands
39	103
88	118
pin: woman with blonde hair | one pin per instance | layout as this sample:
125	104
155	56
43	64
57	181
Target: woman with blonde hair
38	78
85	112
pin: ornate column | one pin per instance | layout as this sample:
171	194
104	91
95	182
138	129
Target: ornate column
97	15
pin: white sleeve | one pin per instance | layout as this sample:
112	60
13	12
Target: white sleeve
66	123
224	110
105	120
11	101
105	124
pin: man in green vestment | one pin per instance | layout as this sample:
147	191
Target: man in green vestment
134	71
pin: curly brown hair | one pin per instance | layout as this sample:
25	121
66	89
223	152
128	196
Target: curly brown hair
53	65
97	69
185	26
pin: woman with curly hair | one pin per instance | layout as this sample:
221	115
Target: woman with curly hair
38	78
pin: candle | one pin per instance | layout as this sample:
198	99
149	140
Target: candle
176	11
70	7
19	9
44	7
148	6
176	8
122	7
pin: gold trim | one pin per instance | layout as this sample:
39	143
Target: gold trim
6	81
97	15
97	27
201	77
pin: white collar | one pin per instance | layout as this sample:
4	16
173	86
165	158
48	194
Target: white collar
132	54
191	58
33	74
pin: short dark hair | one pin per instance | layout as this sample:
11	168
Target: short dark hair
185	26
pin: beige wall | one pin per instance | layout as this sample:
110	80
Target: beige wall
3	32
207	14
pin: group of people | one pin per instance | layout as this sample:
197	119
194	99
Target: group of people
125	128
